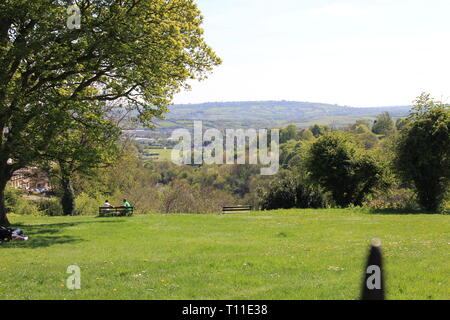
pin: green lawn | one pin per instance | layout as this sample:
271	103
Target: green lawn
293	254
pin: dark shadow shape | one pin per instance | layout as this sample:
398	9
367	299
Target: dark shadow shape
46	235
404	212
374	260
39	242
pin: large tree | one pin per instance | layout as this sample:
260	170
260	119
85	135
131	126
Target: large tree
423	151
139	51
349	173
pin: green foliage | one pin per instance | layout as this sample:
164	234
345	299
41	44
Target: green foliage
318	130
138	54
423	151
288	133
445	208
17	204
290	190
400	199
344	170
49	207
363	135
400	123
182	197
87	205
384	125
305	135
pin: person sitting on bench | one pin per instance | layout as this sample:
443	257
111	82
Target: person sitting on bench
127	206
107	204
106	208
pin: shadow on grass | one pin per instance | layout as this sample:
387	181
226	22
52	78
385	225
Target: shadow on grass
400	212
46	235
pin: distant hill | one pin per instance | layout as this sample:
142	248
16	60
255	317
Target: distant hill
262	114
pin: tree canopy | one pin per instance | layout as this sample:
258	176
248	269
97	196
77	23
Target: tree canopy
136	53
341	168
384	124
423	151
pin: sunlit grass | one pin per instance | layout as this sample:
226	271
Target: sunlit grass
292	254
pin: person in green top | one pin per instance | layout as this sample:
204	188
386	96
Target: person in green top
127	205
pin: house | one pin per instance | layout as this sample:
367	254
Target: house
30	178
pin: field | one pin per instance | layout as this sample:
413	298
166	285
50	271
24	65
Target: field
290	254
164	154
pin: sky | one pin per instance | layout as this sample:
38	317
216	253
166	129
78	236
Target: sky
357	53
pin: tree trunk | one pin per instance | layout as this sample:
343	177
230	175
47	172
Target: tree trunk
68	195
3	218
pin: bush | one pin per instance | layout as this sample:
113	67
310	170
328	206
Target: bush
445	208
292	192
86	205
180	197
49	207
16	203
396	199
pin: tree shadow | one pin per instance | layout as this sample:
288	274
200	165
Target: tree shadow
403	212
46	235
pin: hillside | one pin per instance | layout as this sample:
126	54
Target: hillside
270	114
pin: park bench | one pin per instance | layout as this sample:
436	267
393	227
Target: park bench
237	209
115	211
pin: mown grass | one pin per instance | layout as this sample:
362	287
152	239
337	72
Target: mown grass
290	254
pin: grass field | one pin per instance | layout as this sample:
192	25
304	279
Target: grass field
292	254
164	154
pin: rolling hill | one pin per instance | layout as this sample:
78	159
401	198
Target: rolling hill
262	114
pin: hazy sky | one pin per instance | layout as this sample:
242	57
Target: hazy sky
356	53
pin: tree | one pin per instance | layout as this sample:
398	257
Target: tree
139	51
318	130
81	148
348	173
305	135
288	133
384	124
423	151
363	135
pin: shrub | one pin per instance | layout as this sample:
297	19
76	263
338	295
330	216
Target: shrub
16	203
292	191
49	207
396	199
86	205
180	197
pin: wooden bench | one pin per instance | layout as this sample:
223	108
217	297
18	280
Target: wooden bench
237	209
115	211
